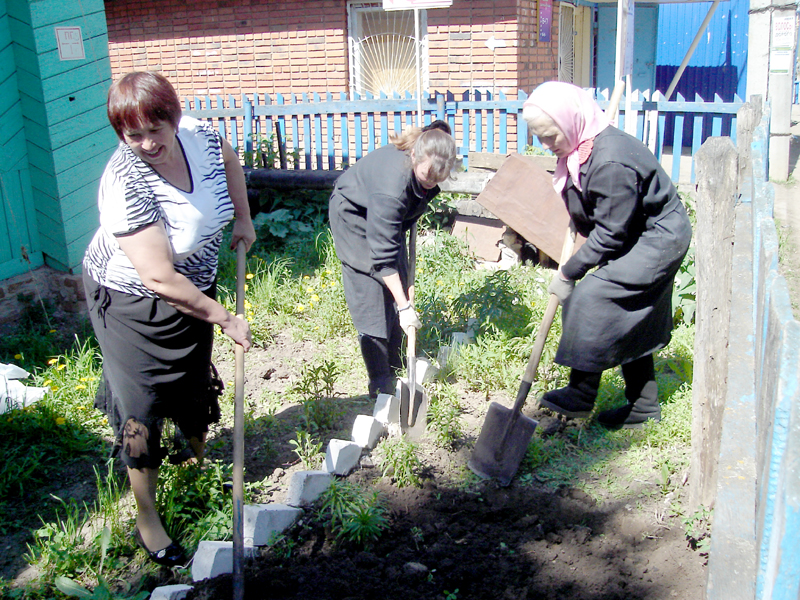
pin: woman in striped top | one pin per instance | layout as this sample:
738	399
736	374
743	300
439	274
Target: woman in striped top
166	195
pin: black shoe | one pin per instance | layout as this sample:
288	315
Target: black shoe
171	556
575	401
630	416
566	402
641	391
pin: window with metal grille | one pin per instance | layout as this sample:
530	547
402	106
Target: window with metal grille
382	49
566	42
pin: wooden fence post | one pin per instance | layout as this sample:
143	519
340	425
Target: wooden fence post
716	196
747	119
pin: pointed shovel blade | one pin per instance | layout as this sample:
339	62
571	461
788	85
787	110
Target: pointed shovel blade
491	458
413	409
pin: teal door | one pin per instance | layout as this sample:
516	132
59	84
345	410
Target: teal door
19	244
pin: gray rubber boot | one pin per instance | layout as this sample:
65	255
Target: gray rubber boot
575	401
641	391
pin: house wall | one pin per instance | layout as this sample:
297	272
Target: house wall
224	47
66	130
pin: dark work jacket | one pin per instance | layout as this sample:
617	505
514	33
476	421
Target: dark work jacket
625	192
373	203
637	233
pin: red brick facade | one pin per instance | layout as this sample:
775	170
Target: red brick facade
246	46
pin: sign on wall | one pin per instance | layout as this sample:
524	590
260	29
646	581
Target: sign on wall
70	43
782	48
545	19
419	4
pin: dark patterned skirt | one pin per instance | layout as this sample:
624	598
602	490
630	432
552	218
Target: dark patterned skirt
156	367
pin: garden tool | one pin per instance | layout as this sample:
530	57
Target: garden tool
238	435
413	399
506	433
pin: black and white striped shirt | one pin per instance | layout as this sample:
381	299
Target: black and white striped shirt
132	195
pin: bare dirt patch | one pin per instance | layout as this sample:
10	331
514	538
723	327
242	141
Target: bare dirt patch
455	535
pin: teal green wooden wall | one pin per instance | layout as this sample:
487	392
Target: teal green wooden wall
19	242
68	139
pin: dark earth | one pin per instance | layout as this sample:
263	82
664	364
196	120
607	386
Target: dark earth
461	538
456	537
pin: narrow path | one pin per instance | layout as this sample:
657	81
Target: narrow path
787	216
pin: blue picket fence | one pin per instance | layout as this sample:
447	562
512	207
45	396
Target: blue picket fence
329	132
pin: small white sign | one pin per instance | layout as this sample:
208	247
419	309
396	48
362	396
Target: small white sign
408	4
70	43
783	32
780	61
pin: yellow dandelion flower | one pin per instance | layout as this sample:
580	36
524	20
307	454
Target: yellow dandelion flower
332	283
18	356
249	276
322	286
299	308
80	387
246	287
52	331
247	304
81	408
61	366
60	421
84	379
449	297
47	382
54	389
439	282
306	277
315	298
52	361
92	379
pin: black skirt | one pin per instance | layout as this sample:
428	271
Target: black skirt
623	310
156	366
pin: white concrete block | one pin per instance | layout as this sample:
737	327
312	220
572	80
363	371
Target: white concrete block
459	337
263	521
426	372
171	592
341	457
387	409
212	559
367	431
307	486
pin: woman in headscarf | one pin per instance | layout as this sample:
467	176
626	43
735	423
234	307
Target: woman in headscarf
637	233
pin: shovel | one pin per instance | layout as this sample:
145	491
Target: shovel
238	436
413	400
506	433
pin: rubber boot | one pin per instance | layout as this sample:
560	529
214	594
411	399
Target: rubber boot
641	391
376	358
577	399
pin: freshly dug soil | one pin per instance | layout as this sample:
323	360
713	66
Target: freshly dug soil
458	538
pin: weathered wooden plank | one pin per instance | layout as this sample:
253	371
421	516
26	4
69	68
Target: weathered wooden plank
716	198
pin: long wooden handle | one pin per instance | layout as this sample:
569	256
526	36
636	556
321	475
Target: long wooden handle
411	355
238	435
544	327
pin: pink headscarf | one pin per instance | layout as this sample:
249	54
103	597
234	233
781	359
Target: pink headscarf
579	118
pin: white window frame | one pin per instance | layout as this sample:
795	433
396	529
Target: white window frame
354	34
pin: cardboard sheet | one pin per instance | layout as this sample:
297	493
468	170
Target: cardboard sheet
521	194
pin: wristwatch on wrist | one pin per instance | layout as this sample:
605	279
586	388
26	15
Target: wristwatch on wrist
406	307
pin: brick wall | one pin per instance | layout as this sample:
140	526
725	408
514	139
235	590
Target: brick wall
232	46
247	46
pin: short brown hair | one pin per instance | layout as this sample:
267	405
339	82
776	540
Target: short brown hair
141	97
